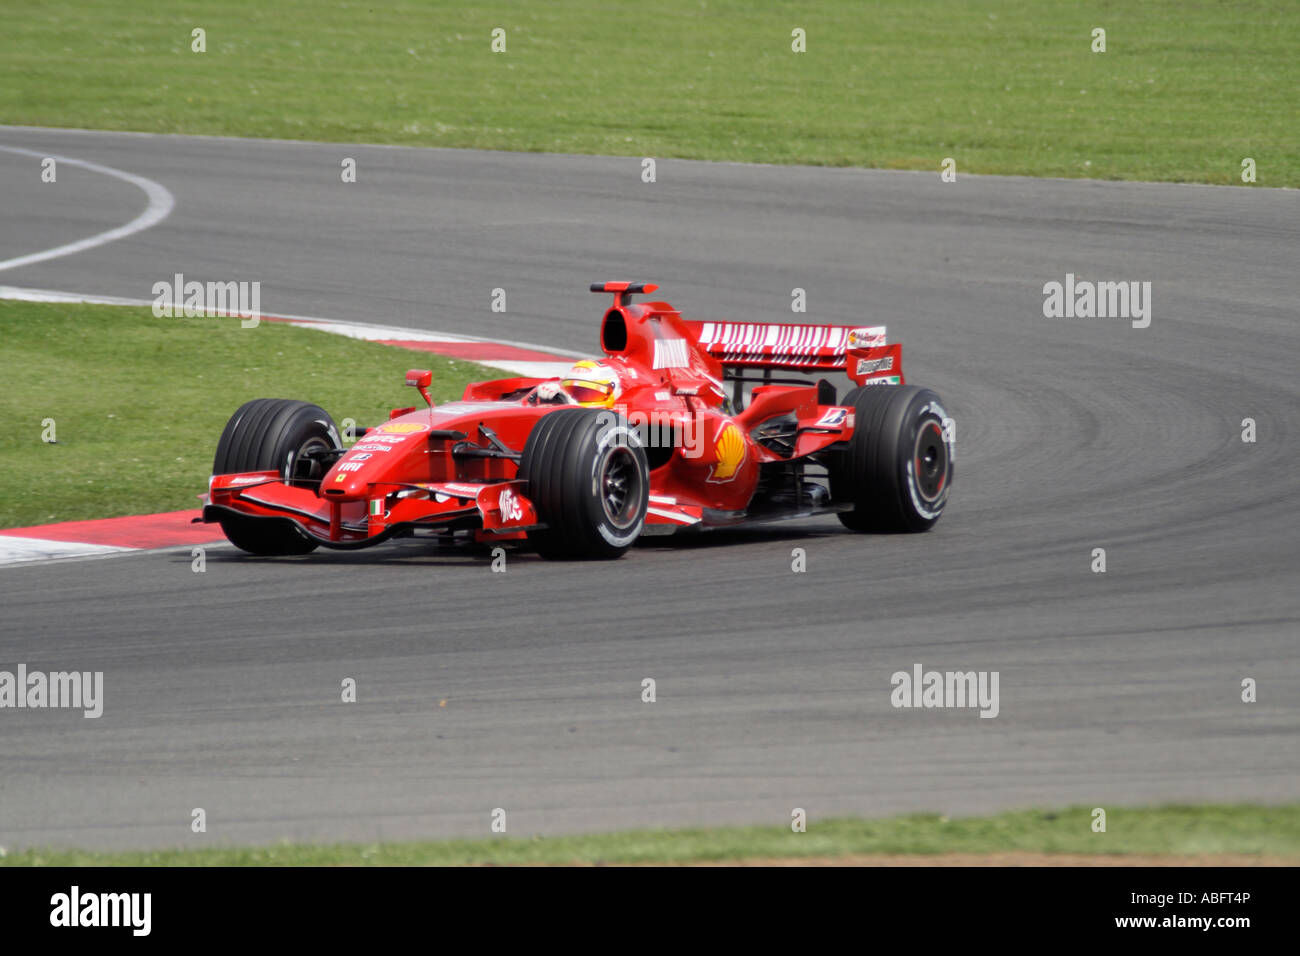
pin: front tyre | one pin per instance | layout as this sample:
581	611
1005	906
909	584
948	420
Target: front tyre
274	434
589	481
897	470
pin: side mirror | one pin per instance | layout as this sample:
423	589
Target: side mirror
421	378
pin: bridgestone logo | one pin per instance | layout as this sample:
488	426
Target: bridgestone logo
868	366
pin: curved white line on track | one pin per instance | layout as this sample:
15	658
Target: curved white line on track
355	330
161	203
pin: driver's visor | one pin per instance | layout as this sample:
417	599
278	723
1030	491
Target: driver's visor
585	392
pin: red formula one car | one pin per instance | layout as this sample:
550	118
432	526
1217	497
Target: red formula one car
681	425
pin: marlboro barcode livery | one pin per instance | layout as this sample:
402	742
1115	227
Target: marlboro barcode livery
681	425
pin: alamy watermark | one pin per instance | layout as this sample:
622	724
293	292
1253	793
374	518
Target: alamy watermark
79	690
196	299
1083	299
657	428
921	688
127	910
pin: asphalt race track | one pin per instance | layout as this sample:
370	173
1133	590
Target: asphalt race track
522	690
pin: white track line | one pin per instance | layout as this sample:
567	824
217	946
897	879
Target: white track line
356	330
161	203
529	368
15	550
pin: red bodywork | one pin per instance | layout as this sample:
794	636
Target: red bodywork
453	467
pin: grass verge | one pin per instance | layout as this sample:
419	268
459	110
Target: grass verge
138	402
1169	831
1183	91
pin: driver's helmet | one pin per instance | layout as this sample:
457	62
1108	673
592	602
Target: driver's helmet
593	384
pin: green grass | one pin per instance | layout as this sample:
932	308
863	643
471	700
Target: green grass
139	402
1185	91
1165	831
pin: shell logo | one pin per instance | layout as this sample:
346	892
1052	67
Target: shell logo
401	428
729	450
866	338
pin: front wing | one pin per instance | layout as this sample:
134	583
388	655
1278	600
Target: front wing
498	510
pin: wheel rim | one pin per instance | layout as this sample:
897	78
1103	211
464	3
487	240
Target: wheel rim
930	461
620	487
303	468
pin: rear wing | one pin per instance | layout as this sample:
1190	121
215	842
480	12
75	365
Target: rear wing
860	352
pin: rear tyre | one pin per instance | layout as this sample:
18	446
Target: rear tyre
588	478
897	470
274	434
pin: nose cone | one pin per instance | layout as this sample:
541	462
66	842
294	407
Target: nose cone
350	477
345	487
